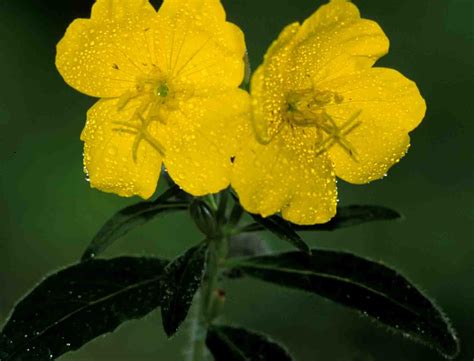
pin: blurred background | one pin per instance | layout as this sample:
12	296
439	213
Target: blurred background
49	213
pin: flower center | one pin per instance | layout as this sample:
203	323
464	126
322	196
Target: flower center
155	84
307	108
154	96
162	89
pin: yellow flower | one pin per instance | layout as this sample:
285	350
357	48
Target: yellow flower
169	87
321	110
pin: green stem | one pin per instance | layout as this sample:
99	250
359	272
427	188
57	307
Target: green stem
208	307
198	333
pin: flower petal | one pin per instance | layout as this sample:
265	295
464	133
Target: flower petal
335	41
109	156
390	106
102	56
286	176
197	45
269	86
118	9
336	11
201	138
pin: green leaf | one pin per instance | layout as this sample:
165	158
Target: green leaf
364	285
77	304
222	210
283	230
235	214
345	217
181	279
237	344
130	217
353	216
247	244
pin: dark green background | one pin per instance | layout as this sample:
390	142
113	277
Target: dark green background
49	213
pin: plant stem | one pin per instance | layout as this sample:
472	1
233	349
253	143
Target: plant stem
198	332
209	299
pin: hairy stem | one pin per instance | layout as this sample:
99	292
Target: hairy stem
209	300
197	351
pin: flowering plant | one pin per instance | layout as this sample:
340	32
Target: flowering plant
175	103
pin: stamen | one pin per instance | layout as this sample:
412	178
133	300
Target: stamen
306	108
153	95
141	133
155	112
145	135
125	98
123	130
337	135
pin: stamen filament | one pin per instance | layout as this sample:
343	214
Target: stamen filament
141	133
336	135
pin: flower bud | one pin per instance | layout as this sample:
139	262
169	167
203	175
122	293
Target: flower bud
203	217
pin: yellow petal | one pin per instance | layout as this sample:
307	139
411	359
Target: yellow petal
212	9
330	14
103	56
390	106
109	155
260	119
269	85
286	176
280	45
201	137
118	9
195	44
336	41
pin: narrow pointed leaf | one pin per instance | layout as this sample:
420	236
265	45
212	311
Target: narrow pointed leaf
182	278
235	214
222	210
237	344
348	216
130	217
353	216
75	305
283	230
364	285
